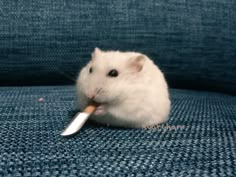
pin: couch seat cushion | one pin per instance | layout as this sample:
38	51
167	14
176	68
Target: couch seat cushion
199	139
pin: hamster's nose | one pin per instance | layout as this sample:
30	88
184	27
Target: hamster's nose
90	95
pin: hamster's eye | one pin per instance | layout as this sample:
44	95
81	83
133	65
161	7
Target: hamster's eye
113	73
90	70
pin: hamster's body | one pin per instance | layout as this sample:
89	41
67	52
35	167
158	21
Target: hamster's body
136	95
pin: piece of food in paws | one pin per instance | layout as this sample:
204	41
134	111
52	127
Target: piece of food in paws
79	120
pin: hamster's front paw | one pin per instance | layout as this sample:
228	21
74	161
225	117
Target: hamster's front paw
100	110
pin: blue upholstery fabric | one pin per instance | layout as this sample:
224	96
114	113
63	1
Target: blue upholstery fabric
199	138
47	41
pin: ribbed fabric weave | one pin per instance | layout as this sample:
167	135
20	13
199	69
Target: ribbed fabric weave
47	41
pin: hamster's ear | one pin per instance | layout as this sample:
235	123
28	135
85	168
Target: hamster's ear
96	51
136	63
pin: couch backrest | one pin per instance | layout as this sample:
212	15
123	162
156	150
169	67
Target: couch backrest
48	41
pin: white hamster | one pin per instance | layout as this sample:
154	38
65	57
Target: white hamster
130	89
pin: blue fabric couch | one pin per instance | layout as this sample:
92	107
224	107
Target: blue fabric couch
43	45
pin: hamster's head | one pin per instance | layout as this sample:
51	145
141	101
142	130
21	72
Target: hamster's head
109	76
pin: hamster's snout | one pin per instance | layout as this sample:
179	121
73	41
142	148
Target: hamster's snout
95	95
90	95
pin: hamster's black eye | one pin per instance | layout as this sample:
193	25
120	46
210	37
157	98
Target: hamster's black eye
90	70
113	73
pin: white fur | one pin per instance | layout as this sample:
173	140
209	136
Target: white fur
133	99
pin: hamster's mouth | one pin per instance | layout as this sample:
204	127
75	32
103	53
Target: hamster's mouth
97	103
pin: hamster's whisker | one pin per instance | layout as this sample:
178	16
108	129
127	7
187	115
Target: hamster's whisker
99	90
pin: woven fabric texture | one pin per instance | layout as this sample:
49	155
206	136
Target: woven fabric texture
199	138
47	41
